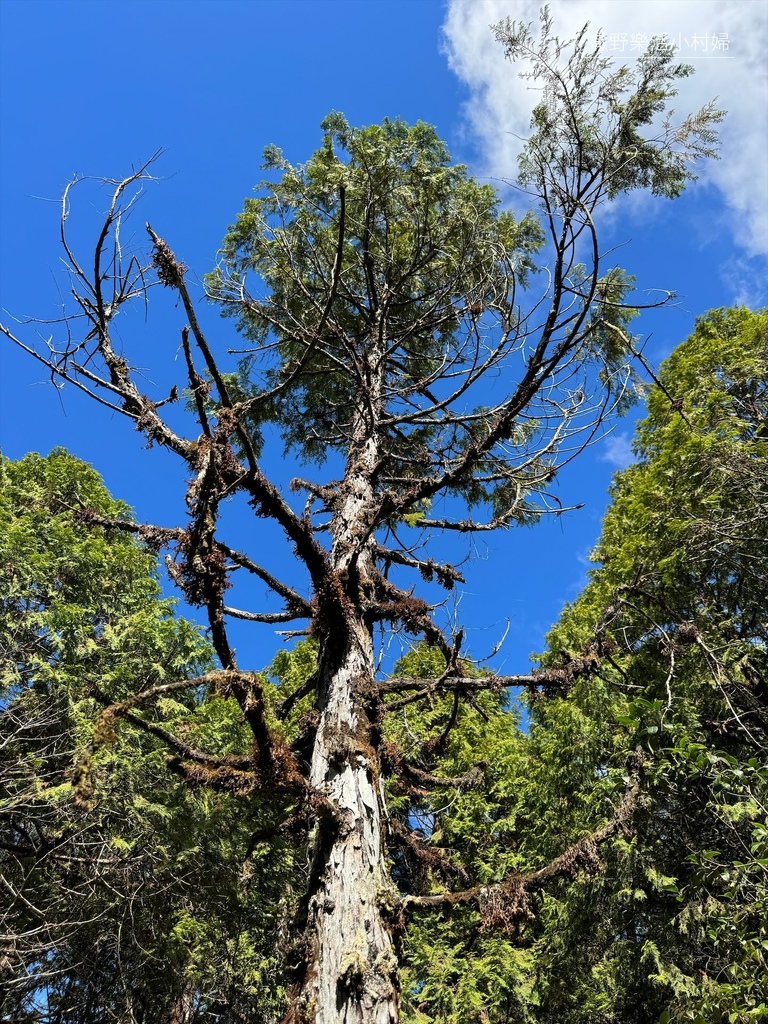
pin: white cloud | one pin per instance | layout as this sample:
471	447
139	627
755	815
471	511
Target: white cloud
618	450
747	281
500	104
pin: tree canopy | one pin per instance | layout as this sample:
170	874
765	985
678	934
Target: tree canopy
124	893
674	620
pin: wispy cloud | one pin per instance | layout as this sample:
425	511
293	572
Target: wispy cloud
617	450
736	72
748	288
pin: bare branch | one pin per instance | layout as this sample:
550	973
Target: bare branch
580	856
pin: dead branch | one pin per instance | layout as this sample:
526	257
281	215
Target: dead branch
502	902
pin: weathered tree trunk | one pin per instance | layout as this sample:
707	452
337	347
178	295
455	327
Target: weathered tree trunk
351	975
352	970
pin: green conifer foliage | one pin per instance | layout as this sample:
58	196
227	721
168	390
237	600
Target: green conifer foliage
125	894
674	618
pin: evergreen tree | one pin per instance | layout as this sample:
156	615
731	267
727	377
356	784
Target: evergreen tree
390	289
674	622
125	895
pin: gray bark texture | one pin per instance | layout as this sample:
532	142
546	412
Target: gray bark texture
352	970
353	967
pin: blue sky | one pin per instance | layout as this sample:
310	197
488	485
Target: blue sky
94	88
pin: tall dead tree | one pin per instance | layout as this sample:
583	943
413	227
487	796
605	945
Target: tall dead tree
379	289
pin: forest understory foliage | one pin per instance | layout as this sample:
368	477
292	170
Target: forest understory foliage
185	839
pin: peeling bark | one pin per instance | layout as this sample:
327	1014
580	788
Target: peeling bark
352	972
